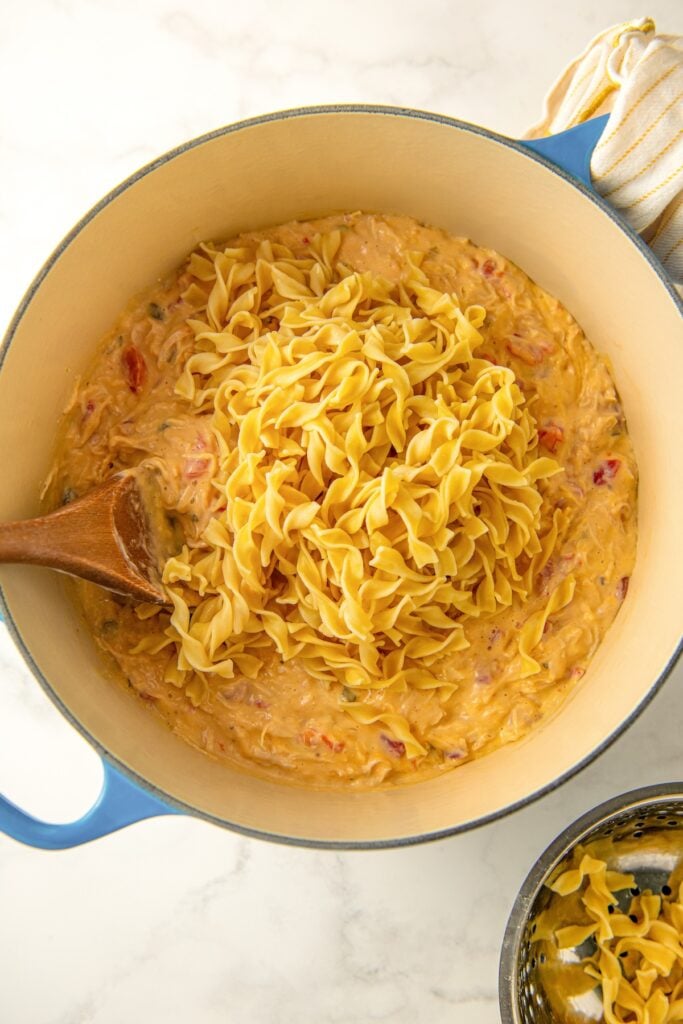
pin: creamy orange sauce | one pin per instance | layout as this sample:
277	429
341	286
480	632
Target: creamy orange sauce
285	723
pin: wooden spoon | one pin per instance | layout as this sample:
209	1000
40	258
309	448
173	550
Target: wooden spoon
109	536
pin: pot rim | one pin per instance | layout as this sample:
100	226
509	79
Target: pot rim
545	864
167	157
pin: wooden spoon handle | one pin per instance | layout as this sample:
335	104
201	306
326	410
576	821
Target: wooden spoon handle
82	539
52	540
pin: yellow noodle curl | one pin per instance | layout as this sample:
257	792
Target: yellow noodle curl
380	481
637	961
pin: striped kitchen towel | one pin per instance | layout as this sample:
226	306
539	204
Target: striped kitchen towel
636	76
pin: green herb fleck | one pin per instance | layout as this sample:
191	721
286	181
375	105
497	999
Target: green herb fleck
156	312
348	695
109	626
163	426
177	533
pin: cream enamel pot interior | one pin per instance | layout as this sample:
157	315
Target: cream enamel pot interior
309	163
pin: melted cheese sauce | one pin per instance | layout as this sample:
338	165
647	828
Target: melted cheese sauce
286	724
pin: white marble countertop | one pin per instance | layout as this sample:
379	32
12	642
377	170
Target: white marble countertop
174	920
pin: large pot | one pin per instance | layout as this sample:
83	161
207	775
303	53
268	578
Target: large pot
532	202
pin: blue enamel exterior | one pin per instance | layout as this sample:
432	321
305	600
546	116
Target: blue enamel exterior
122	801
571	151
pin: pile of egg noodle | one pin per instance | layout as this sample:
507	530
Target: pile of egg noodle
376	480
638	962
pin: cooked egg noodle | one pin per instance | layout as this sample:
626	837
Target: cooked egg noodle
638	962
378	481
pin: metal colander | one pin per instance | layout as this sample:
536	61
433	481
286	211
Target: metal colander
641	833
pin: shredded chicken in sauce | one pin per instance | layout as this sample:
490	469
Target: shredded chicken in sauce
284	723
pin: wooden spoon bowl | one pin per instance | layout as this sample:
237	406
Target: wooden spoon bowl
108	537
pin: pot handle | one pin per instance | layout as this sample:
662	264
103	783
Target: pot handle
121	802
571	150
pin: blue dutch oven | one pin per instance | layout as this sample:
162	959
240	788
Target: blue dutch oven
532	201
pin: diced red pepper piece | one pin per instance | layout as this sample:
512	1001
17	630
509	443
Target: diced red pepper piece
550	436
309	737
606	471
135	368
395	747
488	268
622	587
257	702
335	745
313	738
193	468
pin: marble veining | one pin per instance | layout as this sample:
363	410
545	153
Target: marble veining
174	920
